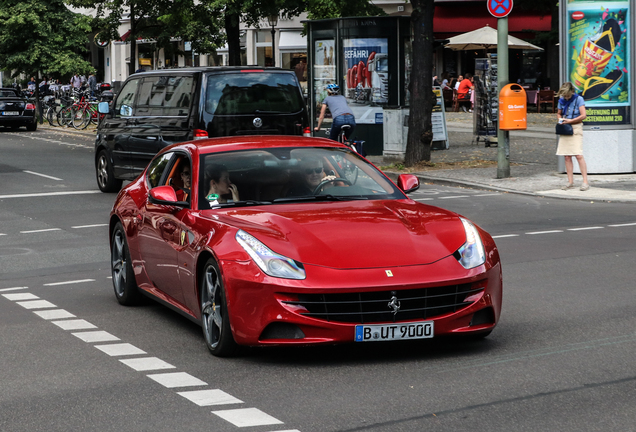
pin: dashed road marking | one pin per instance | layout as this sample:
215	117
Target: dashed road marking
210	397
544	232
96	336
585	228
89	226
69	282
48	194
20	296
177	379
40	230
42	175
505	235
622	225
77	324
54	314
247	417
121	349
454	196
36	304
147	363
13	289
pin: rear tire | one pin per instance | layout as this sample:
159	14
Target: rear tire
215	319
106	180
124	284
32	127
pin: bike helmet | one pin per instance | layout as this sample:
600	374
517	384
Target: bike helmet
333	88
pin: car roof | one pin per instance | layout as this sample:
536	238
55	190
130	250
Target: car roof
218	69
250	142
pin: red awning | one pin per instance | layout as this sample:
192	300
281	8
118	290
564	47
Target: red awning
124	36
453	20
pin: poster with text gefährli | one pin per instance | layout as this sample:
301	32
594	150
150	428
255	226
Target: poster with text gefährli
366	71
599	58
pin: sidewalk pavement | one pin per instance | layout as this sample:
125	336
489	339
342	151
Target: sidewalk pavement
533	164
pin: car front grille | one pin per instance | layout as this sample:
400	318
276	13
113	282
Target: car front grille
371	307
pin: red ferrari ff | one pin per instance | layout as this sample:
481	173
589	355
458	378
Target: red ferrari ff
270	240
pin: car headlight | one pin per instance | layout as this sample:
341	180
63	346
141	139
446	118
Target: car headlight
270	262
471	254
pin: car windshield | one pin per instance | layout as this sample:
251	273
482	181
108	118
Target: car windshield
289	175
7	93
252	93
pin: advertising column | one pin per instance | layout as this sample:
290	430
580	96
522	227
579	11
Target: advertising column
597	58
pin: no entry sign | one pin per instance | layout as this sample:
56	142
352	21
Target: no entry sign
499	8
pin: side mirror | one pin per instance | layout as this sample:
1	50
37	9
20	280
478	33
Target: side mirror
408	183
165	195
125	111
103	108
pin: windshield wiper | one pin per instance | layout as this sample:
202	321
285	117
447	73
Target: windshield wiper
327	197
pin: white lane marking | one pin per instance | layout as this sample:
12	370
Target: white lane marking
454	196
89	226
69	282
244	417
48	194
544	232
54	314
287	430
2	234
210	397
42	175
13	289
114	350
488	194
96	336
40	230
77	324
147	363
505	235
423	199
585	228
177	379
36	304
622	225
20	296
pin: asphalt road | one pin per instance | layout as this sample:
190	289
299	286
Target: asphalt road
562	357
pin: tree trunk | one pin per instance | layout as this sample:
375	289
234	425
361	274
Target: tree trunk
420	137
233	39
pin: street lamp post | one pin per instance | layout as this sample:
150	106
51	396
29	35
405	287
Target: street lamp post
272	21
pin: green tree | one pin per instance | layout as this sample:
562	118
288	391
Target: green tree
42	37
160	20
420	136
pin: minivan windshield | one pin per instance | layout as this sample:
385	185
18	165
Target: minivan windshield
289	175
252	93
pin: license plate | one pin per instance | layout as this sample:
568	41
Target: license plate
10	113
391	332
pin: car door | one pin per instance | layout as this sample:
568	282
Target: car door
160	234
117	129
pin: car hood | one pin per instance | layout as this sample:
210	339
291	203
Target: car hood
352	234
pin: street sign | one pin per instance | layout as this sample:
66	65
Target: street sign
100	43
499	8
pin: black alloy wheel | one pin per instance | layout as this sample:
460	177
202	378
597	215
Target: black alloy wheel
215	319
126	289
105	174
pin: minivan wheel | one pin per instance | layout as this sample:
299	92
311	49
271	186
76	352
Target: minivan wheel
105	176
215	319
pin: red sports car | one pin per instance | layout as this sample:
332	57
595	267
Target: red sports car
289	240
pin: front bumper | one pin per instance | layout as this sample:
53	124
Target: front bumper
267	311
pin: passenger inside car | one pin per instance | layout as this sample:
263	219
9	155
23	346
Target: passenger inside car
180	179
217	178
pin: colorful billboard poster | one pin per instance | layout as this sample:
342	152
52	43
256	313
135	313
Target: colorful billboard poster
324	71
598	58
366	71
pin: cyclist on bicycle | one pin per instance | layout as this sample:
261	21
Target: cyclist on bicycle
340	112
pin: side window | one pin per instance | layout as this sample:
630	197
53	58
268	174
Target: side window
178	95
156	168
127	96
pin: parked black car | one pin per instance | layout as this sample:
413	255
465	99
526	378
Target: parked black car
16	110
158	108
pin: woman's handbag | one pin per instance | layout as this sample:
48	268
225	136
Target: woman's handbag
564	129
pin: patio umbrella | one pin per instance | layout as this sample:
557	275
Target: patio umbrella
485	38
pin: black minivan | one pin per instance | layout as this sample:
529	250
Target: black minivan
158	108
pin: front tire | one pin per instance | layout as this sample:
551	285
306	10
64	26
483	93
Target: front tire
105	174
215	319
126	290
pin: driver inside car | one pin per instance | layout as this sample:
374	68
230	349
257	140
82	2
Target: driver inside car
311	174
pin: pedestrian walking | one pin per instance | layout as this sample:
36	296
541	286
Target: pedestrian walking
76	82
571	111
92	83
